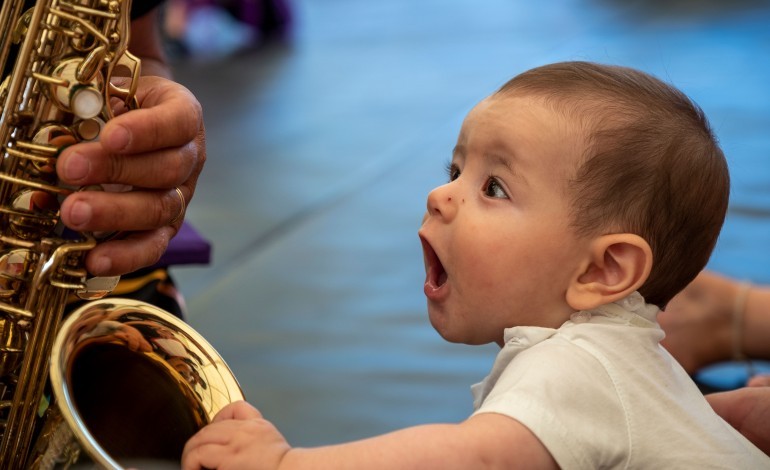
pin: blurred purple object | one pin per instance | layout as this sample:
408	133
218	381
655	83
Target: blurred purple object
187	247
272	18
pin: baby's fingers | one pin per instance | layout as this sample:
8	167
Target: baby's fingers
239	410
205	456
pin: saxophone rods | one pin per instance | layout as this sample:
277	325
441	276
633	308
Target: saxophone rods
128	382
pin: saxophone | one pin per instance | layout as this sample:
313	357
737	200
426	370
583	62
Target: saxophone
117	382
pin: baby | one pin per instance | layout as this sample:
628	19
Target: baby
581	198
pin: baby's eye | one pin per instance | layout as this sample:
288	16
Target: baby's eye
453	171
493	188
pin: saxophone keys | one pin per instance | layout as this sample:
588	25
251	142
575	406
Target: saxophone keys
98	287
60	136
87	69
89	129
84	100
34	214
20	30
11	346
14	271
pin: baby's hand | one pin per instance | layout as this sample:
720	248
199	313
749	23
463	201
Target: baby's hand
238	437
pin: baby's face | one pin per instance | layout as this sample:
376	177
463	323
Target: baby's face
498	248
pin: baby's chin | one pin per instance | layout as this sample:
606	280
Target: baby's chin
454	334
439	322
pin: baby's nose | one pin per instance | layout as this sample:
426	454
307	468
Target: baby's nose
442	202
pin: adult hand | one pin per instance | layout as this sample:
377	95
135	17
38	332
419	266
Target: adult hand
747	409
761	380
153	149
698	321
717	318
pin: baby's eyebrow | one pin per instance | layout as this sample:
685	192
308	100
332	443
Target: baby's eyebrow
500	160
497	159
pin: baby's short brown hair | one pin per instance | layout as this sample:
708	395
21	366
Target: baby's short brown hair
652	165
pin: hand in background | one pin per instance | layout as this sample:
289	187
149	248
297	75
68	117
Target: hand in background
717	318
152	149
698	321
747	409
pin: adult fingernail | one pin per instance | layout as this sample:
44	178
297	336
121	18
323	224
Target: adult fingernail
75	167
80	213
118	138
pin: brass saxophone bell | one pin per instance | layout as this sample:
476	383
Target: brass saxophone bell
134	383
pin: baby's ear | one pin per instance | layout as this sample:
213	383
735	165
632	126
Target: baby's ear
616	266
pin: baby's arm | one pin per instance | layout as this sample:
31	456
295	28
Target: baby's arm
239	438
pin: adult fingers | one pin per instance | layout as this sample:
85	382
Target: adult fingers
146	221
125	255
88	163
122	211
762	380
169	116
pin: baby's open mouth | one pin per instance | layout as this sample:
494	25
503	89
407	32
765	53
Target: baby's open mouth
435	275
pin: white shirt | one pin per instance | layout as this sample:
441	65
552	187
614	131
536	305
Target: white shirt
600	392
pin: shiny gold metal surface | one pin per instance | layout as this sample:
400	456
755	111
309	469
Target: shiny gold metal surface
129	381
134	383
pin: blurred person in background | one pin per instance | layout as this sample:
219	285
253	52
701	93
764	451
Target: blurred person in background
216	28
